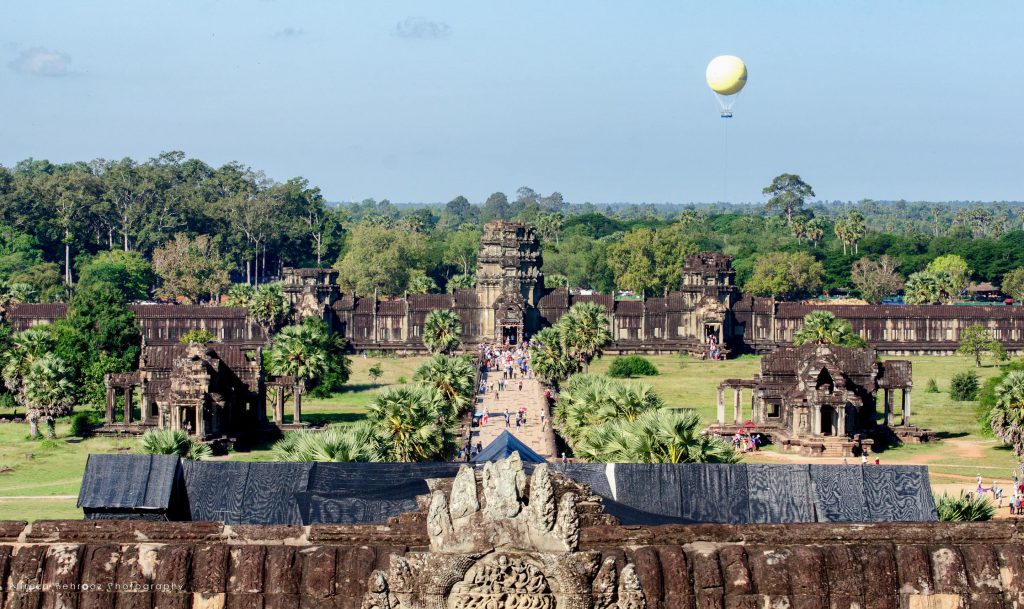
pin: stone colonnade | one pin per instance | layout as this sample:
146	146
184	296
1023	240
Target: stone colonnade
887	400
737	399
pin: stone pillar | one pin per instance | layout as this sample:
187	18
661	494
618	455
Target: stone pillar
200	422
736	410
296	405
128	405
906	406
755	416
841	421
279	405
111	400
816	420
887	396
721	406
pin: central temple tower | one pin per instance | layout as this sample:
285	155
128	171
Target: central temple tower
509	283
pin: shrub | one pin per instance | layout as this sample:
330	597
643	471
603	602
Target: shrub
196	337
931	387
81	424
401	380
631	365
964	508
964	386
174	442
375	371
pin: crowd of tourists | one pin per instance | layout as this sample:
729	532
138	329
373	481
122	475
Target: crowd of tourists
1014	496
503	368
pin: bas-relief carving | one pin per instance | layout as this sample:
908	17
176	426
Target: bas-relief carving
494	547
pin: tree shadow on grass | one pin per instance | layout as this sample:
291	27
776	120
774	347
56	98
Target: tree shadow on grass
326	418
359	387
947	435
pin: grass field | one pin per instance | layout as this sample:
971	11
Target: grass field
40	479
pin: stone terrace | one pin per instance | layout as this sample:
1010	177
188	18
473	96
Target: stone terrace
211	566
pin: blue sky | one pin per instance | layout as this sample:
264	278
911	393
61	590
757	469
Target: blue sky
602	101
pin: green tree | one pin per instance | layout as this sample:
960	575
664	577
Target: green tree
422	284
269	307
876	280
461	282
308	352
453	377
549	357
48	391
190	268
442	331
26	348
100	335
650	261
379	260
496	207
927	287
128	271
336	443
957	270
787	193
196	337
1013	284
585	332
174	442
785	275
824	328
1007	417
976	340
412	423
661	435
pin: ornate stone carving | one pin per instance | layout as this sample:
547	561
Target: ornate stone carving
510	552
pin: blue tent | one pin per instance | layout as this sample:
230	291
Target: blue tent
503	446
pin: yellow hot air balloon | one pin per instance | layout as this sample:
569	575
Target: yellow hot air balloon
726	75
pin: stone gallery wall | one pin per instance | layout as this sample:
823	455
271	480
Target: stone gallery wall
144	565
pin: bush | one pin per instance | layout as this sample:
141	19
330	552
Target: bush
964	508
987	396
174	442
81	424
964	386
931	387
631	365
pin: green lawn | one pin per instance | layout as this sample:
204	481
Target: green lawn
32	471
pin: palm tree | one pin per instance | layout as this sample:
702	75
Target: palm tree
548	356
174	442
411	423
586	332
662	435
589	401
336	443
442	331
295	353
1007	415
927	287
454	377
824	328
48	391
22	372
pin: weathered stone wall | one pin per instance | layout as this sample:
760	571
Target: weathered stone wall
135	565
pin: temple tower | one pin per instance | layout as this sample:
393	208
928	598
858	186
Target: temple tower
509	283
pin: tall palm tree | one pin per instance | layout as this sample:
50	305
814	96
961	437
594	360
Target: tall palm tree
295	353
1008	414
453	377
824	328
549	357
586	331
411	423
48	391
27	348
442	331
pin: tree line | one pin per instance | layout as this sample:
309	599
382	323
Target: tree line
176	228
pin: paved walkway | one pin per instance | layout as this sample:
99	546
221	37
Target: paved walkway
532	397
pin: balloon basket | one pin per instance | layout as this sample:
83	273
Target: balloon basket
726	114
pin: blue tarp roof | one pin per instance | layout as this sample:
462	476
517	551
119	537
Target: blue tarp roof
142	482
503	446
